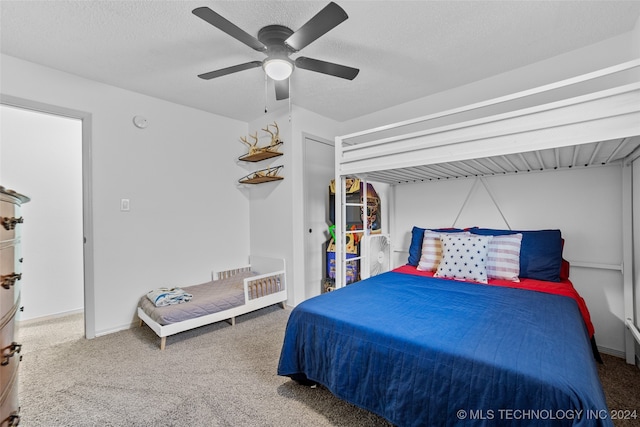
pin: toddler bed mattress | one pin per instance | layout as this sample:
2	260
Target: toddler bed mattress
208	298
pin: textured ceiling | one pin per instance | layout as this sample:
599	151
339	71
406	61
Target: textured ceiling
404	49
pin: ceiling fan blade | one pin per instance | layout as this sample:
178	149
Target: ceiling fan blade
282	89
228	27
224	71
321	23
329	68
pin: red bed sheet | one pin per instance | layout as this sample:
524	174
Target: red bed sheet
564	288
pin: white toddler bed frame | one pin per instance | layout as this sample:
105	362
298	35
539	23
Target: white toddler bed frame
260	291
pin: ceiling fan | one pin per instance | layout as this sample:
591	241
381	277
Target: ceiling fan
278	43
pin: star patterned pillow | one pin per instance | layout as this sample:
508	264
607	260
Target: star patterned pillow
432	250
464	257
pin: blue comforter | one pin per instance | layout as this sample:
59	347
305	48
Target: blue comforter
421	351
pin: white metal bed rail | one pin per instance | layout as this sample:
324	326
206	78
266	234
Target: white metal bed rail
610	114
499	100
341	231
634	331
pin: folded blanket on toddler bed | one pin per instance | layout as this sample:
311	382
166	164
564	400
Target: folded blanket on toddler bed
208	298
162	297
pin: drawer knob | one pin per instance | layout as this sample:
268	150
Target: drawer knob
10	279
14	348
13	420
10	223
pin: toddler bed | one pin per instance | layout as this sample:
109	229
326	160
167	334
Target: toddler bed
423	350
230	293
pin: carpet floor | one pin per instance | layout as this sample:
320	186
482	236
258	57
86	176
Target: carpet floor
216	375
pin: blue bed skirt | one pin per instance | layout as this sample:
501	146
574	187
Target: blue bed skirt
420	351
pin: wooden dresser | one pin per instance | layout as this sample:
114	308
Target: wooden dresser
10	275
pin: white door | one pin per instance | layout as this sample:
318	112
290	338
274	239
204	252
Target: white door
318	173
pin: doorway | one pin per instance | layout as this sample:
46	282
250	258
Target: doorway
44	156
319	166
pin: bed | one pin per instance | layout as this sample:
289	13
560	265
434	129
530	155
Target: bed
579	122
423	350
437	351
229	294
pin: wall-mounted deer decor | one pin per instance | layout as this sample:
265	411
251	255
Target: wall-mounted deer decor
273	144
275	137
253	148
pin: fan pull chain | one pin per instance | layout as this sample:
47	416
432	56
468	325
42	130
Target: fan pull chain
265	93
289	83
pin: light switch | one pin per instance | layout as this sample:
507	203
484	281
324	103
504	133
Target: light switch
124	205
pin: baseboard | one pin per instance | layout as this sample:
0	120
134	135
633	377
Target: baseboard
618	353
612	352
134	324
50	316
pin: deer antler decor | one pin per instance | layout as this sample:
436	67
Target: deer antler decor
275	137
253	148
256	153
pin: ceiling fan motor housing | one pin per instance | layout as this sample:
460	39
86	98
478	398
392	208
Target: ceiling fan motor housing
273	36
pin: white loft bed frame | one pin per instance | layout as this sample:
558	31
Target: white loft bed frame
260	291
583	112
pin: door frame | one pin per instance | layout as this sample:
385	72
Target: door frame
87	191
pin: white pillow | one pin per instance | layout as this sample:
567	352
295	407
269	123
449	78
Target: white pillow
464	257
503	258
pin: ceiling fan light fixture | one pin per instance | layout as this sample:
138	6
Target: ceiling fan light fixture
278	68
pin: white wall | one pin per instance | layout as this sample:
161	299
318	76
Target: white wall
187	215
41	156
277	209
271	213
585	204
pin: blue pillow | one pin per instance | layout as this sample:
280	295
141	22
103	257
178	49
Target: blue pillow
417	235
540	252
415	248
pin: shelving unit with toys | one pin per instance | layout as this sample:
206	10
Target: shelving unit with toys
355	230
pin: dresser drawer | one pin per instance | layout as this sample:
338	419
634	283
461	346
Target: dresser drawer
9	405
9	274
9	349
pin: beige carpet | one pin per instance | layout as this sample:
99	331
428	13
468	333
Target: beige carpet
217	375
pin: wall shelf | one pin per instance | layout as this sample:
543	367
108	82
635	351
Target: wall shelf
258	157
262	176
260	179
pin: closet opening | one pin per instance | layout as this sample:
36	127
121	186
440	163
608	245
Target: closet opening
45	154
